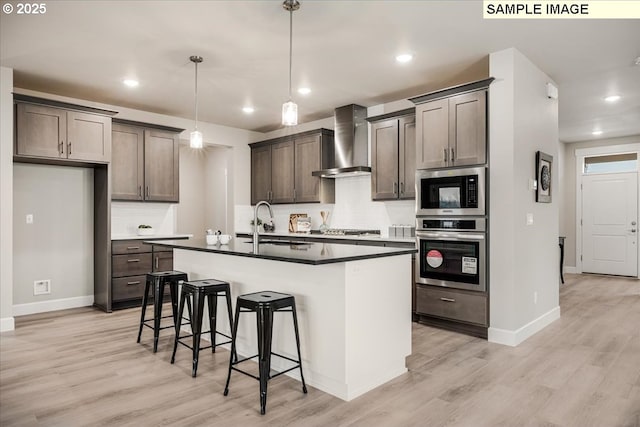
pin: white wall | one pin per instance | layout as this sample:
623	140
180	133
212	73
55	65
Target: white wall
6	199
218	200
190	210
58	245
524	271
568	206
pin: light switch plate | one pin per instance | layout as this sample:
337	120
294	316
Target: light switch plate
529	219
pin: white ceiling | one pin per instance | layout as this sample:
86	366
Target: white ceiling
343	50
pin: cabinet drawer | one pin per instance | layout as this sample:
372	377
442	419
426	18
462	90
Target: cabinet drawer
128	287
119	247
158	248
131	265
451	304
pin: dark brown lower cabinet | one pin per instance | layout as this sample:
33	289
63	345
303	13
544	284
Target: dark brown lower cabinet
455	309
131	260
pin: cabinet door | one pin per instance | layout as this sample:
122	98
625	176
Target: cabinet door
432	134
127	162
384	160
161	166
307	159
260	173
41	131
163	261
468	124
407	157
282	174
88	137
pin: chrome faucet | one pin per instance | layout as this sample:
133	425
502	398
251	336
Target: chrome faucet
256	229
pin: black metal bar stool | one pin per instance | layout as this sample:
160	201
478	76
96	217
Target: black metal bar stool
158	280
264	304
198	290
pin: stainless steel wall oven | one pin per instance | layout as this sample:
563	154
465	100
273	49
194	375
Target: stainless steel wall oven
452	252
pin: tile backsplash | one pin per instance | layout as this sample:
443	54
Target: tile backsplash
127	216
353	209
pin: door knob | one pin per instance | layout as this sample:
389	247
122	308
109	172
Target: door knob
633	230
633	223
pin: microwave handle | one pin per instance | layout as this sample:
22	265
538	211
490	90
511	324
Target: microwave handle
449	235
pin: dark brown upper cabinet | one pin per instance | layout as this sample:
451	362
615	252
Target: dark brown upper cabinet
281	168
60	134
146	162
393	149
451	126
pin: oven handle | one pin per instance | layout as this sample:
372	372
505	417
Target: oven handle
449	235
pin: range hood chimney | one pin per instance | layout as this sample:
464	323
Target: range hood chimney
351	143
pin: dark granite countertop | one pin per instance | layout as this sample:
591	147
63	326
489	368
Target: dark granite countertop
297	252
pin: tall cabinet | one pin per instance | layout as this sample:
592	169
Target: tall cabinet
393	154
281	168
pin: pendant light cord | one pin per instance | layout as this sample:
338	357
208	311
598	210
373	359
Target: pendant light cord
196	128
290	48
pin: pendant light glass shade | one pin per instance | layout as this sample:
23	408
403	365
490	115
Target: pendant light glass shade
290	108
289	113
195	139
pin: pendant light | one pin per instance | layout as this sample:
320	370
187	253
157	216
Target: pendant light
195	140
290	108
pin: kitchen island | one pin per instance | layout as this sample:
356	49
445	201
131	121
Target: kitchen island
354	305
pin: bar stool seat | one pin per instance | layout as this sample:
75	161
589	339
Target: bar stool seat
198	290
158	280
264	304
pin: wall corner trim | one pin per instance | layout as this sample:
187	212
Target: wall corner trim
7	324
514	338
52	305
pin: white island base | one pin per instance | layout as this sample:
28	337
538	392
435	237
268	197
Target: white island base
354	316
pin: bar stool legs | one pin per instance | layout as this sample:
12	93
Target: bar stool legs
210	289
264	304
157	280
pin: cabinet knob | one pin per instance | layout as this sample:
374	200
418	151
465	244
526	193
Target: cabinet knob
452	157
69	148
445	155
61	148
395	188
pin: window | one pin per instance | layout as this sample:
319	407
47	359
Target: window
611	163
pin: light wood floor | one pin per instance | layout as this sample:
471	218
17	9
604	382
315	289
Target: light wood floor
83	367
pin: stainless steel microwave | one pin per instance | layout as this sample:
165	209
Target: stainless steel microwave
451	192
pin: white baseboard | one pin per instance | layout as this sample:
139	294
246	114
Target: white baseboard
7	324
570	270
513	338
52	305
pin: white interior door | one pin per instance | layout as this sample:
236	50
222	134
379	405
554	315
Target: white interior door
609	224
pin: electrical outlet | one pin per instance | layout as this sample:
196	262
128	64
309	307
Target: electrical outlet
42	287
535	297
29	219
529	219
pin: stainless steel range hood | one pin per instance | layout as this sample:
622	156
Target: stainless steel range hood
351	143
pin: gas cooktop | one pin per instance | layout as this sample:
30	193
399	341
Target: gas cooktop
346	232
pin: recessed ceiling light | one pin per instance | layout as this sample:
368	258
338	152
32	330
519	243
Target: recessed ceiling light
130	82
248	110
612	98
596	132
304	91
405	57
